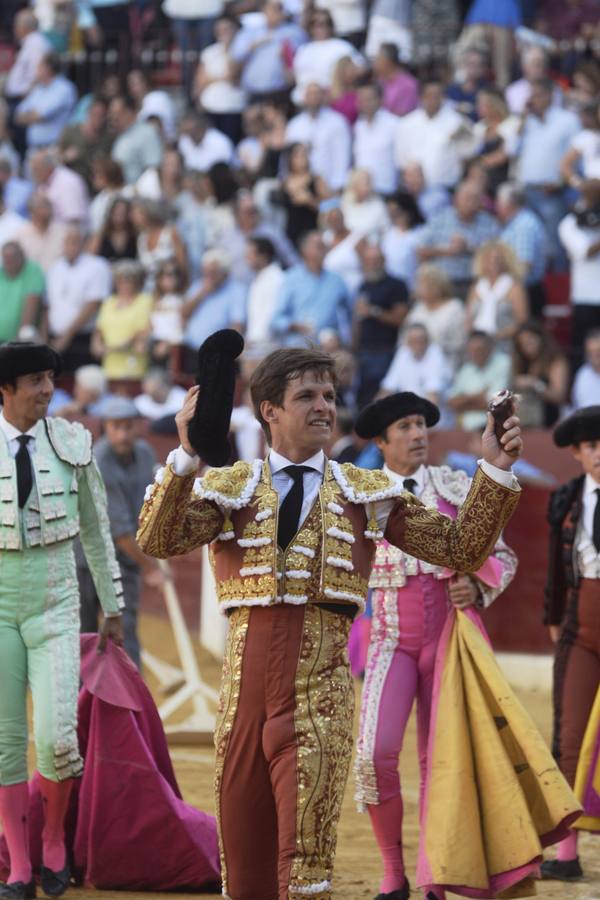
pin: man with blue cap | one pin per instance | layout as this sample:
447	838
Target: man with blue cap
127	464
50	491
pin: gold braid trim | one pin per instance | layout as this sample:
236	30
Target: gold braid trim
463	544
173	521
323	722
229	696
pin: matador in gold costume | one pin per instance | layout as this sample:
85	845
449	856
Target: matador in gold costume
292	540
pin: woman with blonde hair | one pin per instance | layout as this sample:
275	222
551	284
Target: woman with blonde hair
122	334
364	210
441	313
495	136
343	94
497	302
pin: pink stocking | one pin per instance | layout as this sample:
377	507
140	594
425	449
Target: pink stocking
567	849
14	809
55	797
386	821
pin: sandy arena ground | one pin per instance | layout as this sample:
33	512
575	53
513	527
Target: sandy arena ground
357	867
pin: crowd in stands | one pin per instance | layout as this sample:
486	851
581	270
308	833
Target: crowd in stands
410	185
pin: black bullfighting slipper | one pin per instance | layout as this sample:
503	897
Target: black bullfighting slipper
18	890
402	893
55	883
561	870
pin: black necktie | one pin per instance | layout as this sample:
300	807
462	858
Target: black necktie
596	525
410	485
24	474
290	509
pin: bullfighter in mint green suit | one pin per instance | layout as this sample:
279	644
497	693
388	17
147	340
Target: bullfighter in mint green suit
50	491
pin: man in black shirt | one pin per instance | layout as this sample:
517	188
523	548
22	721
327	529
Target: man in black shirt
380	308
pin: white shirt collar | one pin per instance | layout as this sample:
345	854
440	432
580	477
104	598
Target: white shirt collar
13	433
419	477
590	485
277	462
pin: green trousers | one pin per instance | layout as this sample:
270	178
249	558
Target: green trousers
39	647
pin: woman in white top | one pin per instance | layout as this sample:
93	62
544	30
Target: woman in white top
216	90
399	242
157	240
442	314
364	210
164	182
343	245
315	61
497	302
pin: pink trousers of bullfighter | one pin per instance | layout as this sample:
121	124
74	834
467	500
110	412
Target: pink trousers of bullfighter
406	627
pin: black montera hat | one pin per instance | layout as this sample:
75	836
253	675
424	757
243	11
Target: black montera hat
375	418
25	358
209	428
582	425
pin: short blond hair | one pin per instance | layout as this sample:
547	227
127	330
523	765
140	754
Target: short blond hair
512	264
436	276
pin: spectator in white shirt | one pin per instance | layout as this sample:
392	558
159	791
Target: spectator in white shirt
586	387
138	145
431	136
418	366
545	138
33	47
215	86
65	189
364	211
75	286
316	60
326	133
374	139
262	293
202	146
579	232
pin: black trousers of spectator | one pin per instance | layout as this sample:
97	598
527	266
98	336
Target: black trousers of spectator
77	353
114	24
18	132
537	299
229	123
586	316
372	368
90	607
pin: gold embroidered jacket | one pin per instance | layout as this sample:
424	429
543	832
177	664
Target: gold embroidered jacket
236	510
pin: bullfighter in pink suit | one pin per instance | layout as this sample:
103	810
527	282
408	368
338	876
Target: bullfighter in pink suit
411	600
